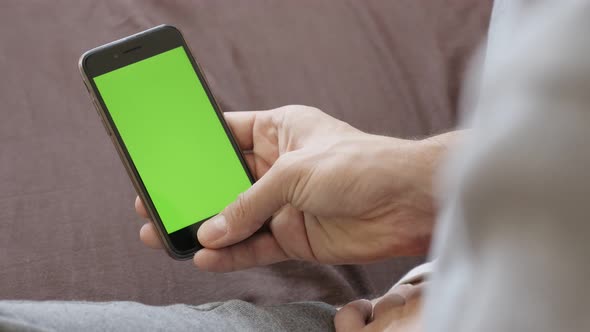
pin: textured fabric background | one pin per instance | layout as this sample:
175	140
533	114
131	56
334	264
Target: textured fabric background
67	225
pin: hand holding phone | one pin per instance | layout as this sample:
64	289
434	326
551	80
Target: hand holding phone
336	195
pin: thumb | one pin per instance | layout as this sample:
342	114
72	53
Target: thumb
251	209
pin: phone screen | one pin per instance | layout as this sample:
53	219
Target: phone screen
174	137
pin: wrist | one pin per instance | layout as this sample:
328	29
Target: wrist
417	160
410	168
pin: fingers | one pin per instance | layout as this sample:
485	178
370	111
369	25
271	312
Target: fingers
387	303
242	126
261	249
149	236
251	162
288	227
140	208
398	296
250	211
410	291
353	316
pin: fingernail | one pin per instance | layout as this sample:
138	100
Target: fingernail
213	229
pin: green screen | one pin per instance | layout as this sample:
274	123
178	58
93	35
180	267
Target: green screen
174	137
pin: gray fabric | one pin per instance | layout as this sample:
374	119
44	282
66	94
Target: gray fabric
513	245
131	316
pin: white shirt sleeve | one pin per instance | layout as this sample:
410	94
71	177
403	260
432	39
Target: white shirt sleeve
513	240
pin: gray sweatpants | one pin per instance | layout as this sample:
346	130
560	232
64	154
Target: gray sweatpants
131	316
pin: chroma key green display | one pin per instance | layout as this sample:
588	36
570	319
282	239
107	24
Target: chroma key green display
174	138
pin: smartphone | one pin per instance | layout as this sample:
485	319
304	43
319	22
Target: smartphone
171	136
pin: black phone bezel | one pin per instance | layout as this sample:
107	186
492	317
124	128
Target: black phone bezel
183	243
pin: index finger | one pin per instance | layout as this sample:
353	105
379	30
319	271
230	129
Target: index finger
140	208
242	126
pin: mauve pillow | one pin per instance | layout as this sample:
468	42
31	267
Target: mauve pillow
67	225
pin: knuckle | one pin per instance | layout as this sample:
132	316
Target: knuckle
311	109
307	111
291	111
299	108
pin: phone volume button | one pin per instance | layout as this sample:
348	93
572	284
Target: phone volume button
106	128
95	103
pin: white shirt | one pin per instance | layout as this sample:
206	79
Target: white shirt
513	238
